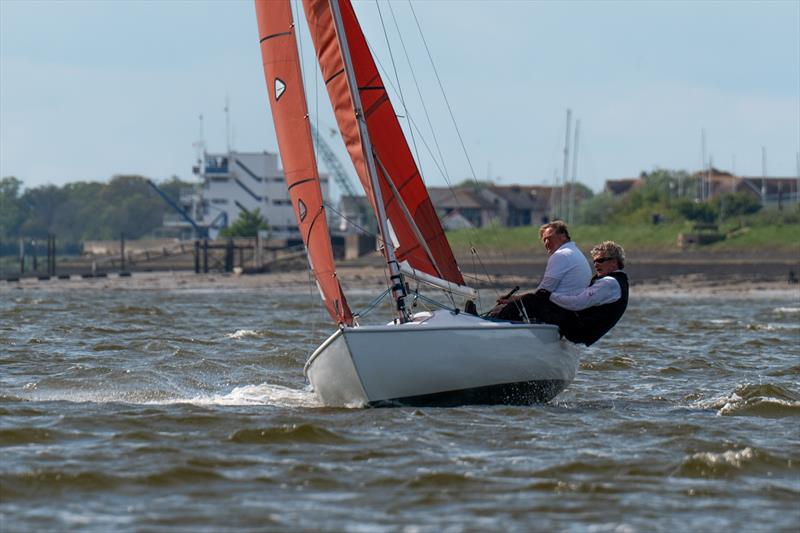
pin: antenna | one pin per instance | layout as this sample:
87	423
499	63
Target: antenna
200	144
566	164
797	184
764	176
227	123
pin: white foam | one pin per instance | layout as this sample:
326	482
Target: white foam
242	334
786	310
730	457
264	394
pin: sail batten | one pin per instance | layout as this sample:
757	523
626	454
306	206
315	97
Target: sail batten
293	130
424	230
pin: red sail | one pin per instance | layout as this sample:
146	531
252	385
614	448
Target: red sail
290	115
426	250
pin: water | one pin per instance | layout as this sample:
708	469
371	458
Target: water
187	410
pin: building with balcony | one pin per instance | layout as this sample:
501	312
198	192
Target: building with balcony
236	181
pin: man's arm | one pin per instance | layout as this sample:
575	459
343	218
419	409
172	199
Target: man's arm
604	291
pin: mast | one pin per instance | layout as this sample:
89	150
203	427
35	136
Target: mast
398	285
574	172
566	166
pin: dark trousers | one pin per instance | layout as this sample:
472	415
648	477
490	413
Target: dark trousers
537	306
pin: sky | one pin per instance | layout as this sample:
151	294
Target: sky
92	89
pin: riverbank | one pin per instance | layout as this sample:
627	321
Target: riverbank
698	280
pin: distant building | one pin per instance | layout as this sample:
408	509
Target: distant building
355	215
506	205
236	181
621	186
775	191
771	191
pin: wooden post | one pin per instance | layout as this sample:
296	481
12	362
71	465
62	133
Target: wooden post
21	256
241	256
229	256
52	255
35	256
196	256
122	251
205	256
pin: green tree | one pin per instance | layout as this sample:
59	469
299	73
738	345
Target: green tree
736	204
247	225
11	211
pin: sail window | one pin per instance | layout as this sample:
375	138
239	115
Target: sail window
280	88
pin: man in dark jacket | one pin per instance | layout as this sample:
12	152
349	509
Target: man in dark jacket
600	306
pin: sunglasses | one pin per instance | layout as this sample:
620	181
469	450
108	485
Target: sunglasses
602	259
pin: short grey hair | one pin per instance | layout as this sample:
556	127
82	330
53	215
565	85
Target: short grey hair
610	249
559	226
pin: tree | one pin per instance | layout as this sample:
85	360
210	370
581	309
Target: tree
738	203
247	225
11	212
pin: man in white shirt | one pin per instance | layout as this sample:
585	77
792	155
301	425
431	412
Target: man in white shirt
567	273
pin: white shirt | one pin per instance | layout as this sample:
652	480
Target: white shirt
604	291
567	272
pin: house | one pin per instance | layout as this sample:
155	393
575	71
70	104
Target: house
466	201
621	186
772	191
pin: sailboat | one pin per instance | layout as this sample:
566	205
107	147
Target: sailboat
430	358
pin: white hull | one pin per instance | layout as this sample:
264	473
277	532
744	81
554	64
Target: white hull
442	359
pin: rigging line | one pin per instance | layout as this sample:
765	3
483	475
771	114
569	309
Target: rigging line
388	81
455	124
419	93
363	230
400	88
444	95
410	219
372	304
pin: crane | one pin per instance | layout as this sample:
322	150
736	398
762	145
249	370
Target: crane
337	170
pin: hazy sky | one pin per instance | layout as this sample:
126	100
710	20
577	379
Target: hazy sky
89	89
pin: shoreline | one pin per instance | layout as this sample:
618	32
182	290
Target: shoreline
368	277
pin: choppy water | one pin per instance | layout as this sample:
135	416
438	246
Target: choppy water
188	411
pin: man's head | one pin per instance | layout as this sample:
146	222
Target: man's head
553	235
607	257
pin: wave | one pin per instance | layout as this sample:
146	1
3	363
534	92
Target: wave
137	310
618	362
731	463
242	334
763	400
26	435
264	394
295	433
786	310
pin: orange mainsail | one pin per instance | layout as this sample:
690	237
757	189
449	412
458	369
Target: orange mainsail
422	243
290	114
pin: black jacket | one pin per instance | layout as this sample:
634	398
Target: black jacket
594	322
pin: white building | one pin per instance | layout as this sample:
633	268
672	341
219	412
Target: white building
235	181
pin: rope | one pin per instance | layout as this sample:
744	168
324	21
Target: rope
372	304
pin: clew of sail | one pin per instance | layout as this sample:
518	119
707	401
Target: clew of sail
421	241
290	114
